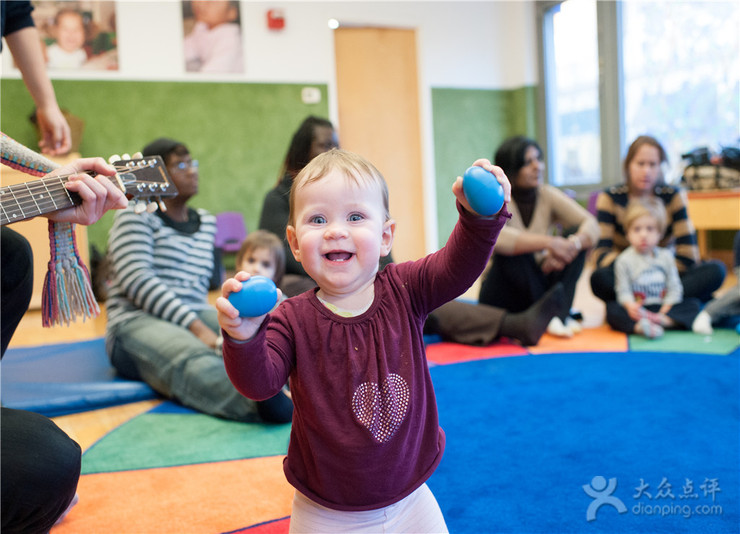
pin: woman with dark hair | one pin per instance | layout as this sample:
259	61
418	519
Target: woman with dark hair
530	257
456	321
644	179
313	137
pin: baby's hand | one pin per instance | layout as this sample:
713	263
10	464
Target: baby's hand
457	187
241	328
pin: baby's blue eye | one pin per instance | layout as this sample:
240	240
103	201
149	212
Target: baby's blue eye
317	219
355	217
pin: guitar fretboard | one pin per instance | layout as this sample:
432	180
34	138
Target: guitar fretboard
24	201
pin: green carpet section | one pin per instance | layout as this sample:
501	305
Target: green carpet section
723	341
163	440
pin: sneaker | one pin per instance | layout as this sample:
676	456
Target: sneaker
650	330
702	324
558	329
574	325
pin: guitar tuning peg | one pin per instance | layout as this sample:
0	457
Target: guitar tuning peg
162	205
151	207
125	156
114	157
138	155
139	207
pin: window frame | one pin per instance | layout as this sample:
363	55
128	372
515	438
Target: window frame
610	88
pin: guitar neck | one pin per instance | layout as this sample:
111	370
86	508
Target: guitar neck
24	201
142	178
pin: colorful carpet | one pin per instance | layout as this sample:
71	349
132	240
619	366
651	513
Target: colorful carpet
617	435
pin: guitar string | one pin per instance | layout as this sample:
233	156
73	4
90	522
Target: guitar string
25	194
25	198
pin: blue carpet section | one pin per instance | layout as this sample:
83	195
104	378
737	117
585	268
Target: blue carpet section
65	378
526	435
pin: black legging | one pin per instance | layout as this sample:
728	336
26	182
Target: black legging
40	463
699	281
514	283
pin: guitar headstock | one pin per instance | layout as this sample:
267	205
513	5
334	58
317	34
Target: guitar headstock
144	178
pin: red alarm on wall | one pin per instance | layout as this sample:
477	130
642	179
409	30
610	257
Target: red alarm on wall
275	19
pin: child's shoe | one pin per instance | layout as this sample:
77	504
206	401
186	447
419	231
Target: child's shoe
650	330
702	324
558	329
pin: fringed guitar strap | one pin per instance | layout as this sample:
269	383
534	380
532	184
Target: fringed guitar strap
67	293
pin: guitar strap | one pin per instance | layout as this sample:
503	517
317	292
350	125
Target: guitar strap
67	293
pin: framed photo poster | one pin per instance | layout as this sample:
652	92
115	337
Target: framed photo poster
78	34
213	36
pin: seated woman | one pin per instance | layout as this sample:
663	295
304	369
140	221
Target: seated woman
456	321
644	179
529	258
161	328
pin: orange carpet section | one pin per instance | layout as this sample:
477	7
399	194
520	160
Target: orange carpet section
601	339
445	353
214	497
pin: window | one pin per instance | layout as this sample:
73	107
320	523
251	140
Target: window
572	74
665	68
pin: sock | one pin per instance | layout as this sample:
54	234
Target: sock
558	329
574	325
649	329
702	324
529	325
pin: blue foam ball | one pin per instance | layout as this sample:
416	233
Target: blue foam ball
483	191
257	297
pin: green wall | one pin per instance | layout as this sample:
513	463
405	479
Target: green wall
238	131
470	124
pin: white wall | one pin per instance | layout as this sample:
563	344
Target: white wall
471	45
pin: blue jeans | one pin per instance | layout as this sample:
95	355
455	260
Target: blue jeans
178	365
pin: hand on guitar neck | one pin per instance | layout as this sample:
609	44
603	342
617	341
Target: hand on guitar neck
82	191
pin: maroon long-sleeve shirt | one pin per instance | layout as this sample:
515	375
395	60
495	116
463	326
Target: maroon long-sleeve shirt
365	428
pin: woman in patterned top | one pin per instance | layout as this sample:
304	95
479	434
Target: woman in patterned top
644	179
161	328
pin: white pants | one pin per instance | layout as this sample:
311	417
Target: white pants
417	513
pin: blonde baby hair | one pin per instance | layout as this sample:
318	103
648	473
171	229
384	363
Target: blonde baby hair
645	206
353	166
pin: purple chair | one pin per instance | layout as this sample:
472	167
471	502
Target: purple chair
230	231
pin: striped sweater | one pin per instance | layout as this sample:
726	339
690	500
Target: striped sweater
158	269
679	236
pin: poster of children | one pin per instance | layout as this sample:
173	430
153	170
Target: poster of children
78	34
213	38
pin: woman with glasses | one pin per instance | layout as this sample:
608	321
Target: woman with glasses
161	328
530	256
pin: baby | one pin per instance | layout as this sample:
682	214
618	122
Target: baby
262	253
648	288
365	434
67	51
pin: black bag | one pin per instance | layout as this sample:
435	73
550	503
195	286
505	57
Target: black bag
705	171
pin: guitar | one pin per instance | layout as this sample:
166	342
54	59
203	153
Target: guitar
142	178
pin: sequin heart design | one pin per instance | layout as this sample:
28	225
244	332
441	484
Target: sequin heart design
381	409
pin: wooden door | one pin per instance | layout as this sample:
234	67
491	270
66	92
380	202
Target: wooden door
378	106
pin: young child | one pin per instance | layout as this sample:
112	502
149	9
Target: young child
262	253
648	288
67	51
365	434
215	44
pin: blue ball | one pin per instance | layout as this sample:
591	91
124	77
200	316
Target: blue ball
483	191
257	297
